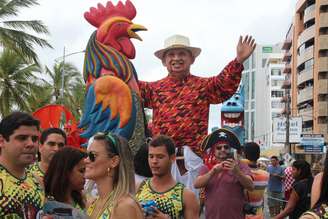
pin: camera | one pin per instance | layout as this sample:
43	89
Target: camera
148	207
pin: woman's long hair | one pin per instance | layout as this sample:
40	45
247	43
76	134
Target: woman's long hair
123	179
57	176
324	186
305	169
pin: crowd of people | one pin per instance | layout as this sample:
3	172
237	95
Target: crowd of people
180	173
233	183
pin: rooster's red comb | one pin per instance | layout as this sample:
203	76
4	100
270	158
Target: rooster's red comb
97	15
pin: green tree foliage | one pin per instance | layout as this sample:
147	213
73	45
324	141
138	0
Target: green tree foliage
71	92
18	35
18	83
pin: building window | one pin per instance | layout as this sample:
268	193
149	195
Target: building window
323	75
277	93
323	8
252	125
245	80
274	115
309	23
253	105
310	2
322	120
264	62
323	53
323	31
275	71
306	65
323	97
305	46
253	84
246	124
277	104
246	64
253	61
276	83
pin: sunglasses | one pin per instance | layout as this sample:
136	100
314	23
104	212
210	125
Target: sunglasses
91	155
226	147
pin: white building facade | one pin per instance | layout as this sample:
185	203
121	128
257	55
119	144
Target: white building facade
262	79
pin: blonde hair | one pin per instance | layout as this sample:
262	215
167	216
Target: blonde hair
123	179
123	183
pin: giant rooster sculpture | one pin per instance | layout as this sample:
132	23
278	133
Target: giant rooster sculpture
113	102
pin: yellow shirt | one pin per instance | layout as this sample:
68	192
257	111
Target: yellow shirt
169	202
19	198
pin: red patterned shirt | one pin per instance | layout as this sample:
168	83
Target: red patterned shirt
181	107
289	180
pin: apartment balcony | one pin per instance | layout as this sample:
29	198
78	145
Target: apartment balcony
287	57
306	55
309	13
305	95
306	35
287	69
305	75
323	64
286	84
284	99
323	42
306	114
323	20
323	86
323	108
287	44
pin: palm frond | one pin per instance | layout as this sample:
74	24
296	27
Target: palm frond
22	43
11	8
35	25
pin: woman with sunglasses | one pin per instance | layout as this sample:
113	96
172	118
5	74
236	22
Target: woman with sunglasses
110	165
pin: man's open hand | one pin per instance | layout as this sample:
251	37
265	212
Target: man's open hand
245	48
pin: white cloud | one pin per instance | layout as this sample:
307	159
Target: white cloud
212	25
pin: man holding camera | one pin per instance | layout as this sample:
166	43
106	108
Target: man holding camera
223	177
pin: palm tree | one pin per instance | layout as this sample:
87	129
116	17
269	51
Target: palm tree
60	91
18	35
75	101
17	82
40	96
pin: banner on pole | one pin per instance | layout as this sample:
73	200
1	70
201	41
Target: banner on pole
279	129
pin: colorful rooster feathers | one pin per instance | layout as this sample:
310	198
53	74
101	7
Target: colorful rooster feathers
113	102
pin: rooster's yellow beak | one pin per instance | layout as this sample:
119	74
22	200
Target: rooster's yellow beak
135	28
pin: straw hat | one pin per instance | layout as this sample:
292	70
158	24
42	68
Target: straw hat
175	42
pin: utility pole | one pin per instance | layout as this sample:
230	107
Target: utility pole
287	143
63	78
